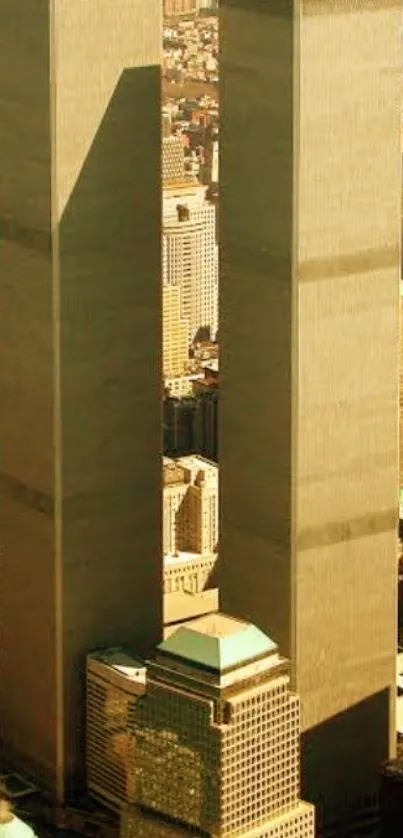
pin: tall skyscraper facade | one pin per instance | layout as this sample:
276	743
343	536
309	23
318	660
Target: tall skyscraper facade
310	176
190	260
80	377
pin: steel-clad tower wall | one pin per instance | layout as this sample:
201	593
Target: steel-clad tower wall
80	372
309	234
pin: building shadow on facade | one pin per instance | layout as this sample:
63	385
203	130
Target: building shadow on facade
328	771
110	358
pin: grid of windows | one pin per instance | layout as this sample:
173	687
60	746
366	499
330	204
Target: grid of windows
108	741
173	729
173	160
175	333
298	824
136	824
229	772
223	766
190	512
190	260
260	772
188	576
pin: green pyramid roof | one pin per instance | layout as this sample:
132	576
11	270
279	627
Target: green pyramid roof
217	642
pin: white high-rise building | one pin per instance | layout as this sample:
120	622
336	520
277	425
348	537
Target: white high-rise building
190	259
189	191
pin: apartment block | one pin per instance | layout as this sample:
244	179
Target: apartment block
188	572
219	712
190	505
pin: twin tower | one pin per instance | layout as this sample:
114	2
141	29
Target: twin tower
310	253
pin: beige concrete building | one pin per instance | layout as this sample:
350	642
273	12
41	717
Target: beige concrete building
175	333
218	711
190	260
188	572
80	372
182	386
172	8
188	191
190	526
190	505
173	161
310	176
181	606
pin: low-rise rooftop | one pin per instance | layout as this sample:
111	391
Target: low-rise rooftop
184	557
122	662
